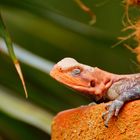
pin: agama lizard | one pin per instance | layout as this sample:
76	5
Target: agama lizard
98	83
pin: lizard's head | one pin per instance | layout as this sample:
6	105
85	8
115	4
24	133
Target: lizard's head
90	80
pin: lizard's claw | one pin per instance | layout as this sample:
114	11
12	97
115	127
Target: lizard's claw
112	109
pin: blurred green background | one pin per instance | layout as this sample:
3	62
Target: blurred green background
52	30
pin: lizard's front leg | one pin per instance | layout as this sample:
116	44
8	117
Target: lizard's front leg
117	104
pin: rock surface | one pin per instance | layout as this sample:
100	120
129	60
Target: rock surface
85	123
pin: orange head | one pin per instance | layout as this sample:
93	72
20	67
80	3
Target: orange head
90	80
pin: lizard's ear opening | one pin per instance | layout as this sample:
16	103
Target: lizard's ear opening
92	83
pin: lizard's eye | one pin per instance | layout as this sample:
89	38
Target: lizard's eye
76	72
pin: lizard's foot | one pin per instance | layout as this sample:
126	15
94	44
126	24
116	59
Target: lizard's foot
112	109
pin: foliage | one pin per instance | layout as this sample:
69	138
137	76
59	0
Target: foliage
51	30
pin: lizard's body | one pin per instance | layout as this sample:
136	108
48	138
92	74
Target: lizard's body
98	83
118	87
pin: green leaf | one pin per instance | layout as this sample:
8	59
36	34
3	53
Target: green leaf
5	35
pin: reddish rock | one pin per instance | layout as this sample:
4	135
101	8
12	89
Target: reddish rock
85	123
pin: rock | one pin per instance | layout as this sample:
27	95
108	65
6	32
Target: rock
85	123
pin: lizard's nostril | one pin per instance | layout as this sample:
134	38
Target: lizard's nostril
60	69
92	83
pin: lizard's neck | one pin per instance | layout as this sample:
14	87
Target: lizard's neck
104	75
104	80
101	74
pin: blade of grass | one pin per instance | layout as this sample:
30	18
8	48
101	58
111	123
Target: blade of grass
6	36
87	10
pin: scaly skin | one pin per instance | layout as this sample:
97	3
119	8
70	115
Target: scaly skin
100	84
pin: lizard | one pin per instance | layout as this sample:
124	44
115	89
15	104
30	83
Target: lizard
100	84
